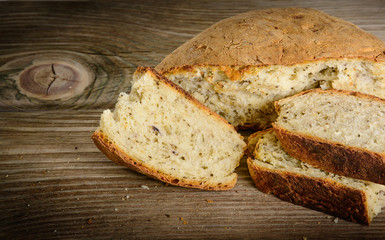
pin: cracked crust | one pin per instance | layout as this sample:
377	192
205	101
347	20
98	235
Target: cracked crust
277	36
114	153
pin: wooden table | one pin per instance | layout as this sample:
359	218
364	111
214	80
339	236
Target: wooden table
55	184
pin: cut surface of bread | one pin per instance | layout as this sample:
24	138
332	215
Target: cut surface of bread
338	131
274	171
161	131
239	66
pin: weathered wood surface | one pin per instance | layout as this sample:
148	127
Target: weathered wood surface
55	184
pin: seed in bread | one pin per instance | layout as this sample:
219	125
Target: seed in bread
161	131
239	66
337	131
274	171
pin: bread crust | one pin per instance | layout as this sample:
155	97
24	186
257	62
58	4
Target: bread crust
276	36
315	193
117	155
332	156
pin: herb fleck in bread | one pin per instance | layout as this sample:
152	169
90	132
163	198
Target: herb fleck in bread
274	171
161	131
337	131
239	66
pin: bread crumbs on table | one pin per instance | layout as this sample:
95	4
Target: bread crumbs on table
209	201
89	221
183	221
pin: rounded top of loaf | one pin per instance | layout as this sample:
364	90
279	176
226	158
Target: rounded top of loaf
277	36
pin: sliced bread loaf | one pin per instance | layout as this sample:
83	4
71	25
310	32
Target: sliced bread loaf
239	66
337	131
161	131
274	171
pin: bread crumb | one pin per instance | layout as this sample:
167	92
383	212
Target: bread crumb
127	196
335	220
6	175
115	209
209	201
145	187
20	156
183	221
126	189
78	158
318	223
304	238
89	221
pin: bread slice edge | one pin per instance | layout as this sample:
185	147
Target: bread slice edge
284	185
117	155
321	194
328	155
122	157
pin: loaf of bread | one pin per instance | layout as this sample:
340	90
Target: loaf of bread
161	131
274	171
239	66
337	131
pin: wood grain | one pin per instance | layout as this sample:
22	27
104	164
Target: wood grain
55	184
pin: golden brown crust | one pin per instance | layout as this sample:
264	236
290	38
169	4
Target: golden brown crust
331	156
117	155
253	139
114	153
277	36
315	193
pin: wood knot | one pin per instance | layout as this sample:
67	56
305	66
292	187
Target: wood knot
54	80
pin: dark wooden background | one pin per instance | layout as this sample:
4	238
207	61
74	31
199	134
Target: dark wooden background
55	184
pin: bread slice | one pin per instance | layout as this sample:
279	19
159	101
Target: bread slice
161	131
337	131
239	66
274	171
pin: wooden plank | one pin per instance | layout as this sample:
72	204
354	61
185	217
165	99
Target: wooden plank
55	184
111	39
54	181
